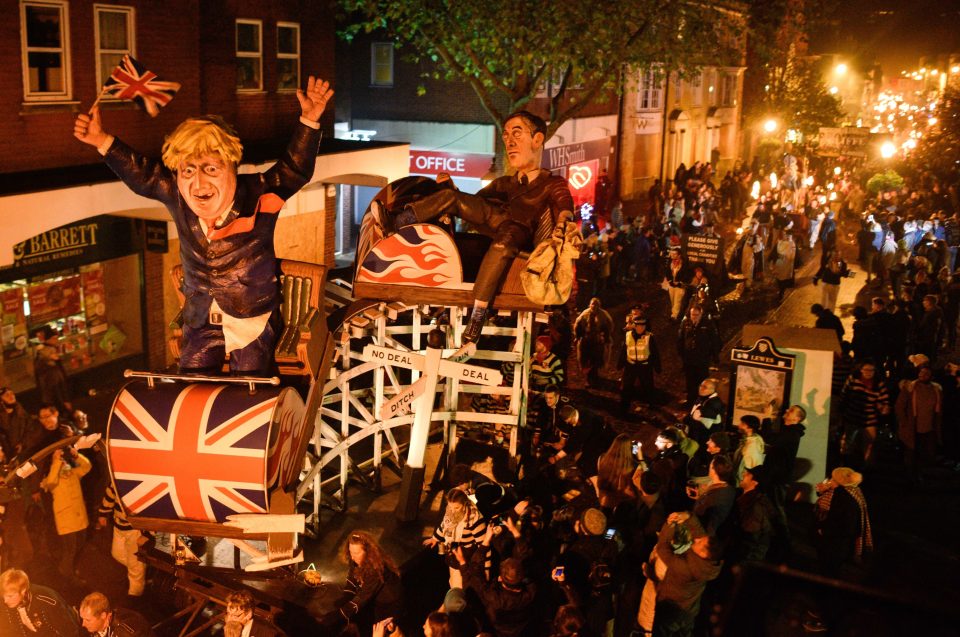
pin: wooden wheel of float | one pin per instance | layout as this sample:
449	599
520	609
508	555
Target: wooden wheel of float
354	440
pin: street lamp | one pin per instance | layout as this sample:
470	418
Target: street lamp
834	90
888	150
955	69
770	125
840	69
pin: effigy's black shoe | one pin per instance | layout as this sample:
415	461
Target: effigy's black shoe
475	326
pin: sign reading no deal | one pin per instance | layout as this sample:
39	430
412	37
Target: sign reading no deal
448	368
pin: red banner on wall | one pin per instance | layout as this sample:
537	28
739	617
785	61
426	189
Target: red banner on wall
582	179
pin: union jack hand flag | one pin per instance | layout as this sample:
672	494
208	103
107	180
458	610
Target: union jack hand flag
190	453
131	81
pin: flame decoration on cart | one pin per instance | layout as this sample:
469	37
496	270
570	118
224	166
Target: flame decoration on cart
197	454
420	255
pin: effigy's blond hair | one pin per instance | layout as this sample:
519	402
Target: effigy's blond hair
198	136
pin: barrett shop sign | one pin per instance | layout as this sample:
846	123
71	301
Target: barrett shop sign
424	162
89	241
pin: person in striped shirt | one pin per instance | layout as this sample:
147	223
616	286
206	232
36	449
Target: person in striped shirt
462	527
126	541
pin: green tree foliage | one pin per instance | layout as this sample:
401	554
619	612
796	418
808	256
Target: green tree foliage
780	79
939	149
798	94
506	50
884	182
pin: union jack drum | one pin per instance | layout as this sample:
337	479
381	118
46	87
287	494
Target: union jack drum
203	451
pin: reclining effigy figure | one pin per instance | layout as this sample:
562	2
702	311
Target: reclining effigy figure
518	211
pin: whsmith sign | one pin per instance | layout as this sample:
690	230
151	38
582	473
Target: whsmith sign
89	241
560	156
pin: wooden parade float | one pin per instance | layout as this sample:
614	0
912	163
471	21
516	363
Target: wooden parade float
258	459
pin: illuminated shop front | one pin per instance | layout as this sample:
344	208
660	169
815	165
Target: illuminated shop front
77	291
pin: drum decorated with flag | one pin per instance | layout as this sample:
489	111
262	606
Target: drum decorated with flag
203	451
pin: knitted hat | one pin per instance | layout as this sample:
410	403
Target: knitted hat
455	601
846	477
593	521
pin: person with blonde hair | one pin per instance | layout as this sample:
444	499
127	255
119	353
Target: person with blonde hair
99	617
225	223
29	609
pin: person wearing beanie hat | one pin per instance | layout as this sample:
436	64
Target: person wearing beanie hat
588	569
546	368
593	522
454	601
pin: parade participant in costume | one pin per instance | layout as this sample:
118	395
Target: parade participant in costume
518	211
100	618
225	222
31	610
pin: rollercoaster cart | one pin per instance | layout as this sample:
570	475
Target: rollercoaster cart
220	456
389	385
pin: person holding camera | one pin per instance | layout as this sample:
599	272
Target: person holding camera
67	468
462	528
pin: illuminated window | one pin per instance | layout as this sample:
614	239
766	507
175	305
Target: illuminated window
728	90
45	51
696	89
249	55
288	56
650	95
381	64
113	31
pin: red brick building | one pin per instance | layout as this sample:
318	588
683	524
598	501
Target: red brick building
80	254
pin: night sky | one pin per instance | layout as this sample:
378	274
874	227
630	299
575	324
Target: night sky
896	33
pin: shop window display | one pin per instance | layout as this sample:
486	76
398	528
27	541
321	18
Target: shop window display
69	321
